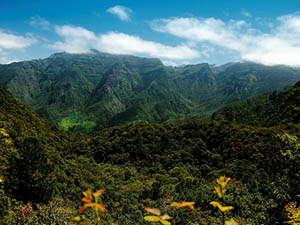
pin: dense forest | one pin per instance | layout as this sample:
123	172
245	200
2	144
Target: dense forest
44	169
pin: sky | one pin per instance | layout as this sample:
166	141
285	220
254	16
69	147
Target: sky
178	32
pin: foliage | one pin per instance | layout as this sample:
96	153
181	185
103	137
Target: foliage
78	122
56	211
148	165
253	111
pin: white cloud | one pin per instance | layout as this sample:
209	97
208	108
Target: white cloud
200	30
38	21
120	43
169	63
12	41
246	14
76	39
121	11
80	40
12	44
279	45
202	39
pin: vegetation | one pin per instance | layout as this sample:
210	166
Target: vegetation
43	169
254	111
78	122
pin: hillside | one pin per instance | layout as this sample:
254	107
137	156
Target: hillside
148	165
254	111
94	91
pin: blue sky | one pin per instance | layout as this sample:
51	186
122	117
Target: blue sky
178	32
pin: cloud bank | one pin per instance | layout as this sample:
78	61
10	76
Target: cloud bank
120	11
80	40
281	45
197	39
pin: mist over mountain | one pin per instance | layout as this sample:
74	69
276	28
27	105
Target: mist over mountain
98	90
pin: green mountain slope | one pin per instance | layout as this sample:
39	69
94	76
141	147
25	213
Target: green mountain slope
148	165
253	111
270	109
109	90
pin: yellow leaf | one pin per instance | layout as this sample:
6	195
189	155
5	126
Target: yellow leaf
231	222
223	181
166	217
98	206
226	208
164	222
219	192
83	208
76	219
183	204
8	141
222	208
87	199
152	218
4	134
153	211
87	192
98	193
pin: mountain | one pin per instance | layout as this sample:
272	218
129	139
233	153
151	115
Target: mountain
270	109
254	111
97	90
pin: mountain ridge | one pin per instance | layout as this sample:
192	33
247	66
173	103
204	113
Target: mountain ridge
117	89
